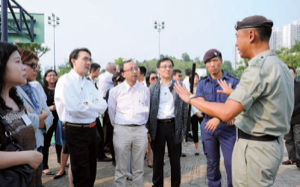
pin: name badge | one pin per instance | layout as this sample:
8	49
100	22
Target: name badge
26	120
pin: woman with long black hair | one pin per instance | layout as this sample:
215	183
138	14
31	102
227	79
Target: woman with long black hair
13	73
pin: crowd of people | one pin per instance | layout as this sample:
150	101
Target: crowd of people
143	112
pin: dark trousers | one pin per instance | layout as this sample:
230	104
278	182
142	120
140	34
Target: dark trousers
195	120
82	145
100	141
224	136
165	133
47	142
292	142
108	135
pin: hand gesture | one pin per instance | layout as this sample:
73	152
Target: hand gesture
183	93
212	124
226	89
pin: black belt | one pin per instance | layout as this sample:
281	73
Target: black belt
133	125
264	138
166	120
88	125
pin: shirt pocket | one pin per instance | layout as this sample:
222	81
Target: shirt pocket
208	94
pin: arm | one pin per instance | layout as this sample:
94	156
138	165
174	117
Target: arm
9	159
233	108
112	104
98	103
66	97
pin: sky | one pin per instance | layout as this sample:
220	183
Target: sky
125	28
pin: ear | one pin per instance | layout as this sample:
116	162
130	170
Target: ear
157	70
252	35
73	61
123	74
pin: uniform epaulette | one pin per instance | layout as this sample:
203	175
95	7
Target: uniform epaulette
231	75
205	77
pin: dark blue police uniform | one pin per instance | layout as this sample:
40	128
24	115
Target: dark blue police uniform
223	136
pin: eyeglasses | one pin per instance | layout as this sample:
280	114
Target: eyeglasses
165	67
153	78
179	75
51	75
33	65
132	69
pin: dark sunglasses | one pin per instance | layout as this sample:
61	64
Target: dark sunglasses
154	78
33	65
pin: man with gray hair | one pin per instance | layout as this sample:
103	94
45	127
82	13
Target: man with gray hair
105	79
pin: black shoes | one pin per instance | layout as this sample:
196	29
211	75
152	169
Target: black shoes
183	155
59	176
196	154
104	159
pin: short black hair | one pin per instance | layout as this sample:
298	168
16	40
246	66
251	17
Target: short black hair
94	66
162	60
290	67
122	65
188	72
264	33
115	76
75	52
143	70
175	71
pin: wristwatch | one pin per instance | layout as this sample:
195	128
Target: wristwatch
191	97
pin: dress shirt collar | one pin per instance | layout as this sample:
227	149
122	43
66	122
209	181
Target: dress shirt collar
168	85
76	75
127	86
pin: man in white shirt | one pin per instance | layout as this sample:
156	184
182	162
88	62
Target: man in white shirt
141	75
105	79
78	104
128	108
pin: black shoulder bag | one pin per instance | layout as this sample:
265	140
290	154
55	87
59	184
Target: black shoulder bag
16	176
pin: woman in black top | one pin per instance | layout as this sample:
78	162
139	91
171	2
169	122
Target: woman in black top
49	82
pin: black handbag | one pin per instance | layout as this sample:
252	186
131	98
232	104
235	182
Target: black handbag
16	176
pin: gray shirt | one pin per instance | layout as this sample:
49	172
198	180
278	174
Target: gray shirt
265	93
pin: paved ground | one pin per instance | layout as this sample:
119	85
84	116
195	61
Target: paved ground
193	170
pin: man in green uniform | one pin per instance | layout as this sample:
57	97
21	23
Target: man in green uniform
263	103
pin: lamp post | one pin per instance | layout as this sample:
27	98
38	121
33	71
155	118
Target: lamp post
159	27
53	21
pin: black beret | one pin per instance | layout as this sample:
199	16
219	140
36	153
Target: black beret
212	53
253	22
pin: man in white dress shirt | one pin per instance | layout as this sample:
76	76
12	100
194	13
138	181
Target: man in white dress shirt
128	108
105	79
78	104
141	75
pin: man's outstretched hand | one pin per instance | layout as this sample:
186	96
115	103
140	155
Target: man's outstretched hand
183	93
226	89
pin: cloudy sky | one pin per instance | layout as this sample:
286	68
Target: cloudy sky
125	28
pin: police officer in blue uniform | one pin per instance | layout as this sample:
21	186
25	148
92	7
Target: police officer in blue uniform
216	133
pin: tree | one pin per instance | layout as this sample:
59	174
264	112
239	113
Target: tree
227	67
119	61
37	48
62	69
296	47
185	57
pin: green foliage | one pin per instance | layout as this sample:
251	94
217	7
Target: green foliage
227	67
118	61
37	48
64	68
296	47
185	57
291	59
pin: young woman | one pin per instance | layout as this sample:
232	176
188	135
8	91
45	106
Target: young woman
49	83
197	116
13	73
38	111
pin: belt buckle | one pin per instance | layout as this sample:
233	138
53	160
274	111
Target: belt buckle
168	121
